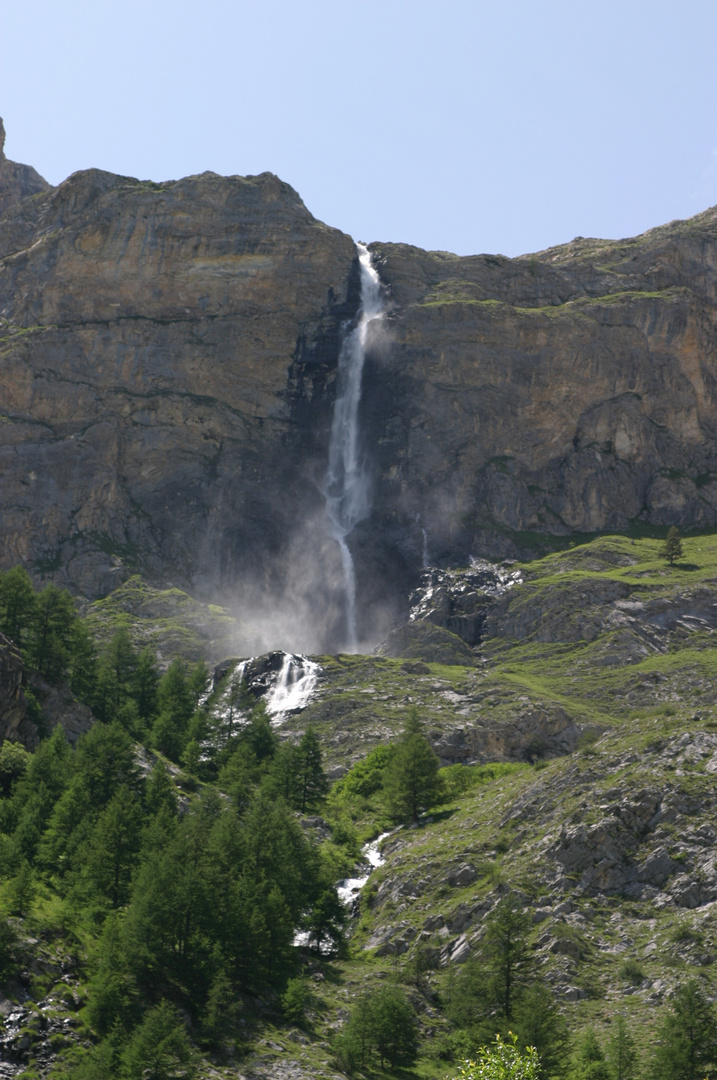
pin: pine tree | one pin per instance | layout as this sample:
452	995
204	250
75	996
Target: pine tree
110	854
672	548
621	1052
51	632
411	779
83	663
17	605
506	951
160	1048
687	1036
312	784
589	1060
325	921
539	1023
146	681
383	1022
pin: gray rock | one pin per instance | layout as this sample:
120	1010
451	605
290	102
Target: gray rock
462	876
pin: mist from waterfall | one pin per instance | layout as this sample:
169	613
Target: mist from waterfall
348	496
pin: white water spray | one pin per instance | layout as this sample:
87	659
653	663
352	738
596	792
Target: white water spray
347	486
294	686
349	888
426	560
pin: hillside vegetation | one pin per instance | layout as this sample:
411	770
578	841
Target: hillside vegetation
555	877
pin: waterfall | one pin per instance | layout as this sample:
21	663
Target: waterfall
426	560
348	498
293	687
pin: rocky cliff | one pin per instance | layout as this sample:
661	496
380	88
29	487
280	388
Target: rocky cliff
168	356
17	181
571	391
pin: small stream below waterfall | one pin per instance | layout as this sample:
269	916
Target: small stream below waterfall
349	888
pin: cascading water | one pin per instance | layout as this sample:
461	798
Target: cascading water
294	686
348	497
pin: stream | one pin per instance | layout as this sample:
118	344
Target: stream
349	888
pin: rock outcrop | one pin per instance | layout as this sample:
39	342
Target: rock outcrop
17	181
56	704
168	355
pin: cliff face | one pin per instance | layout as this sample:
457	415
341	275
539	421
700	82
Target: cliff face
168	356
571	391
16	181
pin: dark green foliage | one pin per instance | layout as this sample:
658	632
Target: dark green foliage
8	940
160	793
538	1022
687	1036
51	637
411	779
199	909
177	696
17	605
83	663
221	1012
146	682
258	735
109	855
296	774
311	782
494	989
26	814
21	891
672	548
294	999
622	1052
159	1048
326	920
382	1025
506	951
114	1000
589	1062
14	760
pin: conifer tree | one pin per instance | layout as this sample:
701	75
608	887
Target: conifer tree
411	779
672	548
17	605
687	1036
506	951
589	1059
51	632
621	1052
311	782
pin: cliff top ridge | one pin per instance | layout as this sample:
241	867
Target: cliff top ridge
17	181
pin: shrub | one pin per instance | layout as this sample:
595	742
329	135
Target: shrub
502	1061
631	972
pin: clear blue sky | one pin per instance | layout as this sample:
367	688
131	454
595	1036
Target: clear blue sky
466	125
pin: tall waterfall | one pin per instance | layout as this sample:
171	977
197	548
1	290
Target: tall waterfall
348	498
